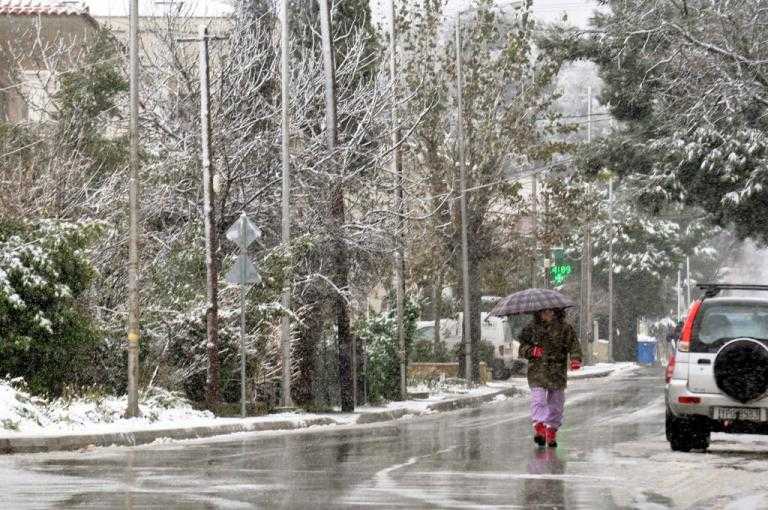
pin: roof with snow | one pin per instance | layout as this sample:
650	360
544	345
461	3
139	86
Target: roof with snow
42	8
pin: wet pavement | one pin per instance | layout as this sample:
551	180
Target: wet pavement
479	458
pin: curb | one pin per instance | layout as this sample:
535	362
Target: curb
459	403
593	375
38	444
68	442
446	405
573	376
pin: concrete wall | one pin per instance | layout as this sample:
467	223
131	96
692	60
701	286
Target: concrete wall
447	370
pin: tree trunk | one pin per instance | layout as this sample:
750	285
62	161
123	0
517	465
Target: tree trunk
340	280
338	218
474	318
437	301
474	314
625	343
304	354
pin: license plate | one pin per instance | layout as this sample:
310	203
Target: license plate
739	413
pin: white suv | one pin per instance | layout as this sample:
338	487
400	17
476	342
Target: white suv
717	381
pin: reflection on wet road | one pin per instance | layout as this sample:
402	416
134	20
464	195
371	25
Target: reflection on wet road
481	458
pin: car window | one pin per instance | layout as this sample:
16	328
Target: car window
719	323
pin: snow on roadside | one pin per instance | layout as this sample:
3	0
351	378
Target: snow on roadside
598	368
21	412
444	391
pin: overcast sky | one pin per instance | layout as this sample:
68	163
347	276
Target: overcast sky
578	11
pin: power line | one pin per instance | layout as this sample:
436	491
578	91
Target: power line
515	177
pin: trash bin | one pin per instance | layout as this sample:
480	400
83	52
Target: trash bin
646	352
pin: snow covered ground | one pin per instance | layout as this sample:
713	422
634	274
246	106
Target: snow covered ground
731	475
24	414
21	412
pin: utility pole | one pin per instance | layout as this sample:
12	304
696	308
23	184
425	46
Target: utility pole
610	268
587	300
397	171
463	180
688	281
212	386
679	292
340	262
285	327
535	215
132	410
589	114
212	396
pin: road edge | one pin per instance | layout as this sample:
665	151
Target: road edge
70	442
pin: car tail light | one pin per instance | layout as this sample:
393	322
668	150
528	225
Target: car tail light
670	367
689	400
687	333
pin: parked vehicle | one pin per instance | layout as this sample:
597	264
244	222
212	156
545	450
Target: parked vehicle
717	380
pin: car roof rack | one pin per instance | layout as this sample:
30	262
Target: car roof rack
713	289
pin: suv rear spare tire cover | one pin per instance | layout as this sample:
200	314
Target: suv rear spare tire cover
741	370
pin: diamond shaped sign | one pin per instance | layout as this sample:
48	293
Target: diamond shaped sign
243	232
243	272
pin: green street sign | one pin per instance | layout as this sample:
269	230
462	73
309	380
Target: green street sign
560	272
560	269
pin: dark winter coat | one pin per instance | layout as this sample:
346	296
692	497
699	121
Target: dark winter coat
558	339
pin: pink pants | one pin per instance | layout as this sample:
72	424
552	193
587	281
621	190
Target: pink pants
547	406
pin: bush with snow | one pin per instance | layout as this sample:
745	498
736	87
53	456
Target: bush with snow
45	335
379	335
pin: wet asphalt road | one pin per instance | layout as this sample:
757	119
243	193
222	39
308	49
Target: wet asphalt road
478	458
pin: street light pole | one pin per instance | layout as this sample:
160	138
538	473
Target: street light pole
463	181
610	269
285	331
397	171
585	315
132	410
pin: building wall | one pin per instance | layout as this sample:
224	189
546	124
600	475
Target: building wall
34	50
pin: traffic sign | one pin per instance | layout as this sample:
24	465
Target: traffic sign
243	233
243	228
243	272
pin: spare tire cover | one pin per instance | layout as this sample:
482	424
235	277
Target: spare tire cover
741	370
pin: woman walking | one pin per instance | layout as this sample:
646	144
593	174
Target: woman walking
548	342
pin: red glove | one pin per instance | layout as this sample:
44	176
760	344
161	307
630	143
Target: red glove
575	364
537	352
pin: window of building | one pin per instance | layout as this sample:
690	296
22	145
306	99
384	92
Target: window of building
38	89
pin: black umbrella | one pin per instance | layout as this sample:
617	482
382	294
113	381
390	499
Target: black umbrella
531	300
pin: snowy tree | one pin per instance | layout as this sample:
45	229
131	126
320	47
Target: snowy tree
648	249
508	101
688	79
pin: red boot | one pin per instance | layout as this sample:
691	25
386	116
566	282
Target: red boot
539	433
551	436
